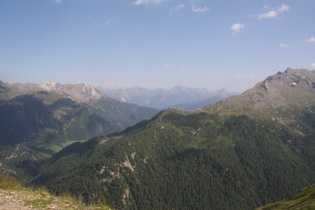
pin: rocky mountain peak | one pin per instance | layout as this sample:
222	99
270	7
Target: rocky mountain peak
291	78
288	90
49	85
84	92
3	86
79	92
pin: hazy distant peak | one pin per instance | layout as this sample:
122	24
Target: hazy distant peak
177	87
3	86
80	92
164	98
91	91
3	83
49	85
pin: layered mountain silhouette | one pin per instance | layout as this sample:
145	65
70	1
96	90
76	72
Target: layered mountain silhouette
177	96
243	152
54	113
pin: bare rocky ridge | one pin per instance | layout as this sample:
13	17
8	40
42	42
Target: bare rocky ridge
282	95
81	93
272	92
275	90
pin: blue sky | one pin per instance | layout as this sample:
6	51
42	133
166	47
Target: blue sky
155	43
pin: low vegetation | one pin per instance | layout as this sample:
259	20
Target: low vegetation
13	195
304	200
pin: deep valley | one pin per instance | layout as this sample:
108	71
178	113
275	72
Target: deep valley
240	153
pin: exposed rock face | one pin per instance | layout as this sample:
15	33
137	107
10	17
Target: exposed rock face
276	91
78	92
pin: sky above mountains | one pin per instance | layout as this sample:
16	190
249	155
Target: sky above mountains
155	43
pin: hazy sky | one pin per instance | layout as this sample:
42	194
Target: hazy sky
230	44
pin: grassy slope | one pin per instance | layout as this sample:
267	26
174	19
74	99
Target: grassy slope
14	196
304	199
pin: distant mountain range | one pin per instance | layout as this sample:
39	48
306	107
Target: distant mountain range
57	112
54	113
177	96
240	153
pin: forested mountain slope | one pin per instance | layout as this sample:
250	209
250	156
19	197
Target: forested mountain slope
37	120
241	153
57	112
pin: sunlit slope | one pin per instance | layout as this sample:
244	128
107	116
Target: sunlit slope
53	112
241	153
38	120
304	199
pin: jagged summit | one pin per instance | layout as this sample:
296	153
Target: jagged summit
81	93
49	85
291	78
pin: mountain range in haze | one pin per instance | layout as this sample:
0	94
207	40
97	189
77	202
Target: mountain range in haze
240	153
39	119
177	96
67	106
